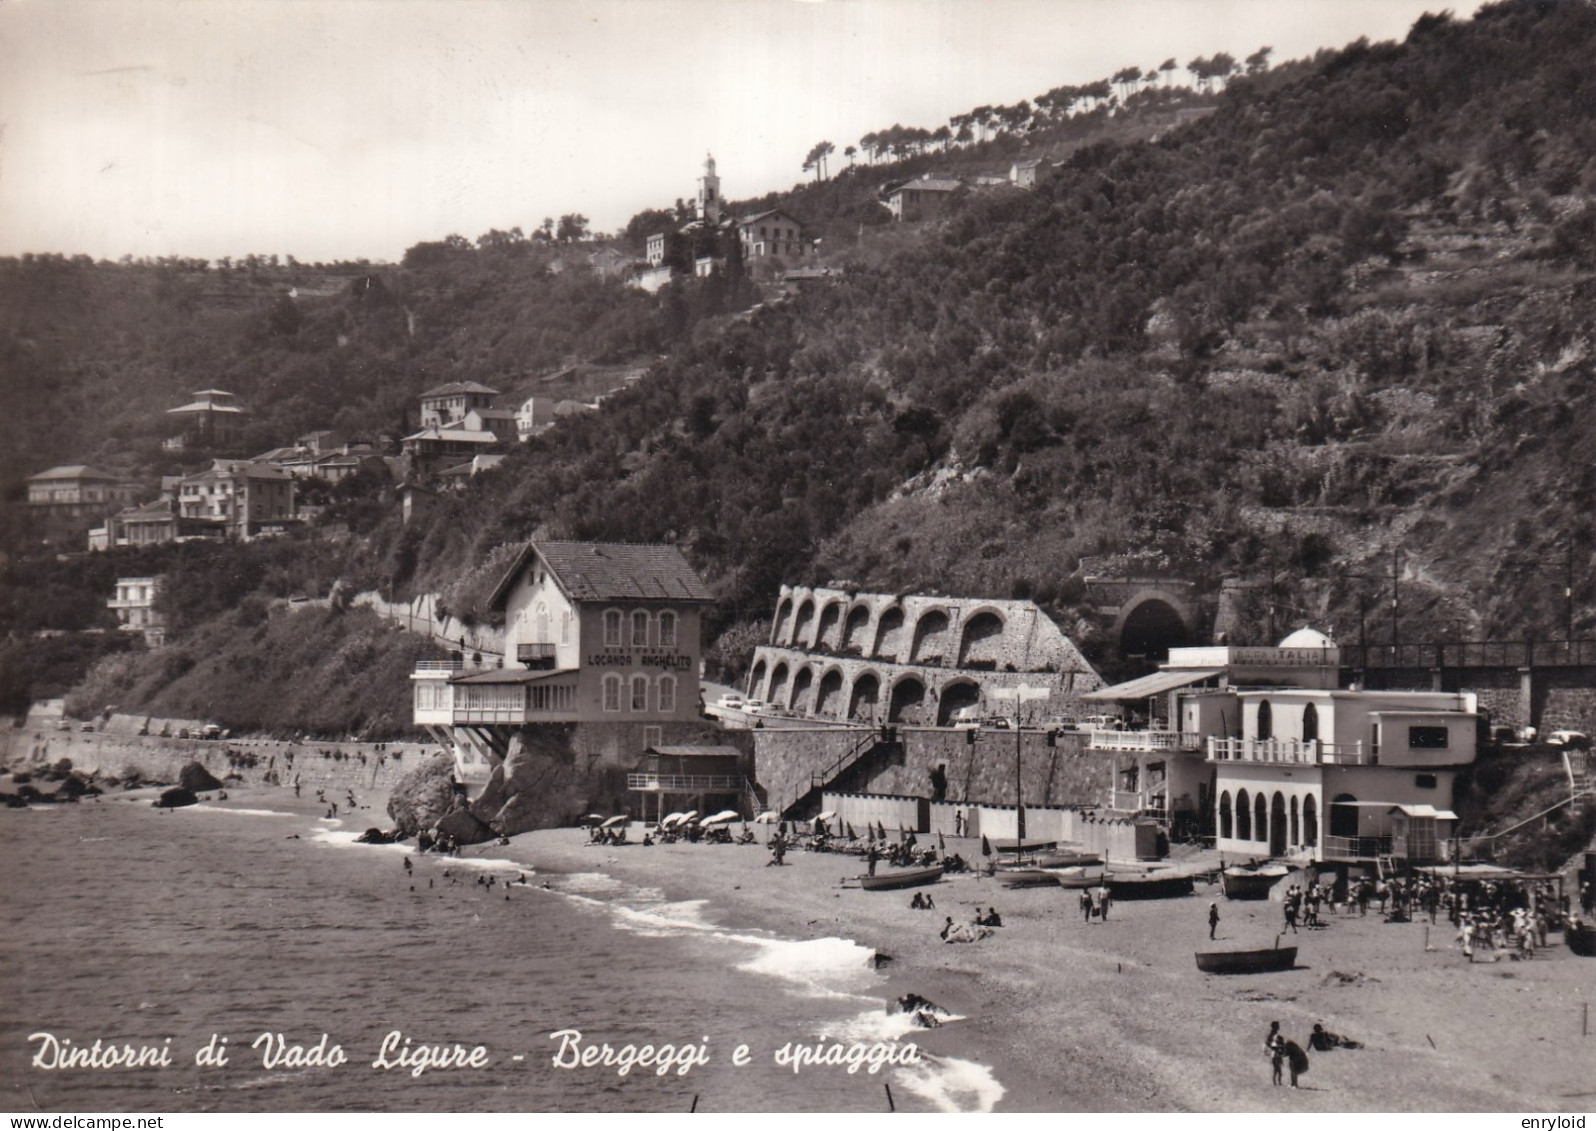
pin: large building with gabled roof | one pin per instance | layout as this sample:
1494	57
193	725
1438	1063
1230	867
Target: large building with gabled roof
449	403
214	418
602	635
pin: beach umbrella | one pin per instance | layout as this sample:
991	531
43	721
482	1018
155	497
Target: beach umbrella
613	821
689	815
851	834
768	817
721	818
670	819
592	818
828	815
986	846
942	845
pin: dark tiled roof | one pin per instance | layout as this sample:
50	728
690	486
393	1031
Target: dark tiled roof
612	571
600	571
71	471
459	387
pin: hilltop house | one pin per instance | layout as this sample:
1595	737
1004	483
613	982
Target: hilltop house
152	524
448	404
435	448
65	501
601	635
1024	174
77	490
920	199
213	418
771	233
134	605
501	422
535	416
245	498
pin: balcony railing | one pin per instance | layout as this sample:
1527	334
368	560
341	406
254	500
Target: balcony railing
1144	741
1288	751
687	783
449	666
535	656
1356	847
1472	654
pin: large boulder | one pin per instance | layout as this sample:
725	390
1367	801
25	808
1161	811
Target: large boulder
537	787
423	795
176	798
197	779
463	827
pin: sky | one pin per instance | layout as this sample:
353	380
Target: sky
348	129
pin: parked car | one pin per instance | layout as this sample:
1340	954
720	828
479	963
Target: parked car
754	706
966	718
730	702
87	728
1101	722
1573	739
998	722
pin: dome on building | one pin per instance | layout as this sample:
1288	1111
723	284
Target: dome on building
1306	637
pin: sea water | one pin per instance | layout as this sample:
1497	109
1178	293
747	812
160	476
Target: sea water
254	960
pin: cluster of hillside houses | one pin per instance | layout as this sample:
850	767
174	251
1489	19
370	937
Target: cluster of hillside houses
464	428
463	432
776	236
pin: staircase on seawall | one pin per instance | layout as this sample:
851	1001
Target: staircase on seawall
849	773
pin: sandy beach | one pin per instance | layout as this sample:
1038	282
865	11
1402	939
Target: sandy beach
1073	1015
1115	1016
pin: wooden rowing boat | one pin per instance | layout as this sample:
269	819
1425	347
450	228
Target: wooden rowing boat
892	881
1027	877
1252	883
1154	886
1068	860
1263	961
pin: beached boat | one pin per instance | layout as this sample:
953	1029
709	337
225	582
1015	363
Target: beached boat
892	881
1079	877
1068	860
1252	883
1026	877
1247	961
1131	885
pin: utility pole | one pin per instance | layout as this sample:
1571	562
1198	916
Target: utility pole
1568	593
1019	695
1396	602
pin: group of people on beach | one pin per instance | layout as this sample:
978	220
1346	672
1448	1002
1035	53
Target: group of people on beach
979	928
1095	902
1305	903
1287	1055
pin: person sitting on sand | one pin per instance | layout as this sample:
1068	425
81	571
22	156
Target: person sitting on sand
929	904
918	902
947	928
1323	1040
993	919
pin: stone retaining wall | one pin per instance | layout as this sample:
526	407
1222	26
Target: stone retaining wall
978	771
335	767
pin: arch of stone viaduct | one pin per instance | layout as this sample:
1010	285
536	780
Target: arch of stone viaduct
883	657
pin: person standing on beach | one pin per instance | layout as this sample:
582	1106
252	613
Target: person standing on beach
871	856
1086	904
1275	1049
1213	917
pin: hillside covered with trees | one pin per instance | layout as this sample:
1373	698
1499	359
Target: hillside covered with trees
1350	311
